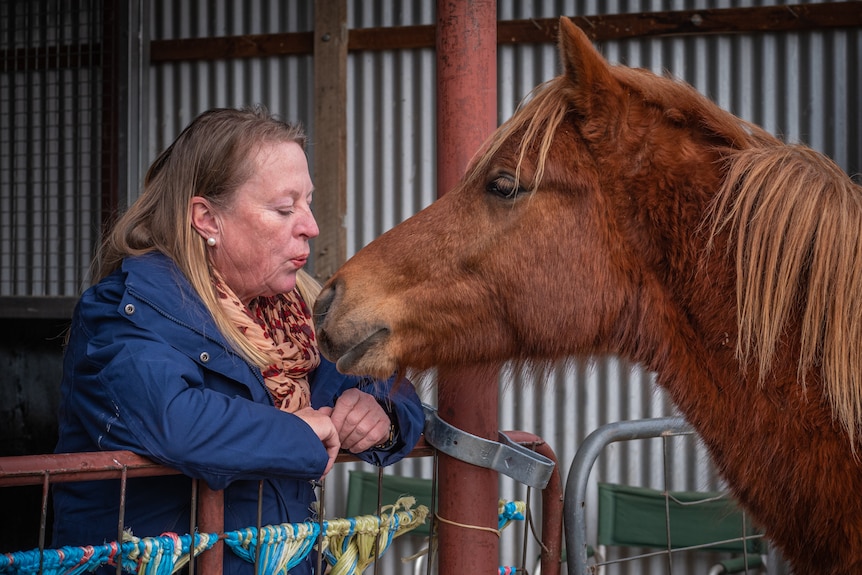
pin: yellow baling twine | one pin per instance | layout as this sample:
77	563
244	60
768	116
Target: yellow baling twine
507	511
349	544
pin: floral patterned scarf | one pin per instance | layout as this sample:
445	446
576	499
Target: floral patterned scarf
280	328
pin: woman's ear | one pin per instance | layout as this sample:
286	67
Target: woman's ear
204	219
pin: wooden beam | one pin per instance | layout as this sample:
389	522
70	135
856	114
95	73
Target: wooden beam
395	38
330	145
37	307
229	47
786	18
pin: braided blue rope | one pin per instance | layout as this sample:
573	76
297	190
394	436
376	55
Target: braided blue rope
54	562
282	546
510	512
393	529
147	556
329	556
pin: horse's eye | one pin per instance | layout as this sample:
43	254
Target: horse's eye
504	186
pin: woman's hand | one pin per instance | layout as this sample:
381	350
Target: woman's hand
324	427
360	421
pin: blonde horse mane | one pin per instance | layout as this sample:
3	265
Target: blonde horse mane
795	219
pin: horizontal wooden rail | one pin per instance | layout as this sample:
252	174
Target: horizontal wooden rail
600	28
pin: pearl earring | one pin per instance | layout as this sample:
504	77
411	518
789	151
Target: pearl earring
211	242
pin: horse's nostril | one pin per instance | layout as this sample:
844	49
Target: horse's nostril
322	304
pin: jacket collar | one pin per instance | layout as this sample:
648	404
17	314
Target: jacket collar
156	279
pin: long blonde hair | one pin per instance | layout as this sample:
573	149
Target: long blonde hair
211	158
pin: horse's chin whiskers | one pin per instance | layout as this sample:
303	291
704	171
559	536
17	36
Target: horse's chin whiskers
366	357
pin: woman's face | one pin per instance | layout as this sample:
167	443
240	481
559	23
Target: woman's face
263	234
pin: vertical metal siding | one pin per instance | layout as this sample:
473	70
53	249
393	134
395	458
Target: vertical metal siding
50	98
804	86
391	109
179	91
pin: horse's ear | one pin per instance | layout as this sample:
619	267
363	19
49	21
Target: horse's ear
582	63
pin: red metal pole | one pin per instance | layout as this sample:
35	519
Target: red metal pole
466	116
210	520
552	503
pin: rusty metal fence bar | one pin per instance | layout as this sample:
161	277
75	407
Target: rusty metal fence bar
207	506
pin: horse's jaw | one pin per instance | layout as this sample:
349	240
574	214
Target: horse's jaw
356	344
364	356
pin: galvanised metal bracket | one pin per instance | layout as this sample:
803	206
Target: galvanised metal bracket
504	456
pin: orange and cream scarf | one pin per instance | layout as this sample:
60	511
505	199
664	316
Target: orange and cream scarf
280	328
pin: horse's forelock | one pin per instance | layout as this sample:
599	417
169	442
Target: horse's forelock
534	123
542	112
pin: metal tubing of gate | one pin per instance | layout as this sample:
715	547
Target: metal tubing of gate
579	473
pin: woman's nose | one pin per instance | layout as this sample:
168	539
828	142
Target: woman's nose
308	225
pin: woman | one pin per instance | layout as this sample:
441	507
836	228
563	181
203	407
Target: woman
195	346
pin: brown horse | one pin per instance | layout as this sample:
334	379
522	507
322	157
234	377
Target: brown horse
622	212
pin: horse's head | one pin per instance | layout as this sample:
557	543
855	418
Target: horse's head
571	213
618	211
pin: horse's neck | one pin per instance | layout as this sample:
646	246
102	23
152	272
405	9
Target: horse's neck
773	442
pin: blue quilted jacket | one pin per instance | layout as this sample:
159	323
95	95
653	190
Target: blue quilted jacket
146	370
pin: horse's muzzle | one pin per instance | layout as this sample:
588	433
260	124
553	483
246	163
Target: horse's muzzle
349	341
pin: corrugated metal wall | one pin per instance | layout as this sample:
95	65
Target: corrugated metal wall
804	86
180	91
50	104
